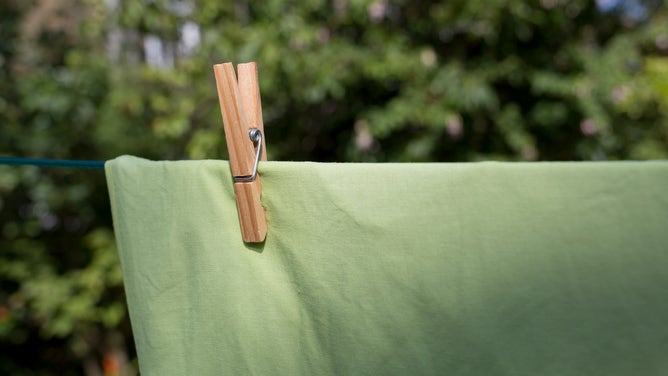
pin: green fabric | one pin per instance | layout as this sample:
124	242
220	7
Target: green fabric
397	269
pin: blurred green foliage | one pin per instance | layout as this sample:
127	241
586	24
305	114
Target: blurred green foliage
341	80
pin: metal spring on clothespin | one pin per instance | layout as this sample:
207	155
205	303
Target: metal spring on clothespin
255	136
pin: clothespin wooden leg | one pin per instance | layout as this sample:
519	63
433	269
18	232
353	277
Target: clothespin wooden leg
240	106
249	88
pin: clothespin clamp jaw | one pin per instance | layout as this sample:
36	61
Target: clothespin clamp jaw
242	119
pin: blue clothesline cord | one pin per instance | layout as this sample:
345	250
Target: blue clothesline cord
64	163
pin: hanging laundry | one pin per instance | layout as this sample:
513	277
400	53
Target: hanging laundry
397	269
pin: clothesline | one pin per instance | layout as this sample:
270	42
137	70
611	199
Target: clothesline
64	163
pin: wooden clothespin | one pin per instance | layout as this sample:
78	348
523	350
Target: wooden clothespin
244	133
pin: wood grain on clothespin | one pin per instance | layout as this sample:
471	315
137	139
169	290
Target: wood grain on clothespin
241	110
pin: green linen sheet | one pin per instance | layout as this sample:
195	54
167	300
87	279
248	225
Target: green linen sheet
397	269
